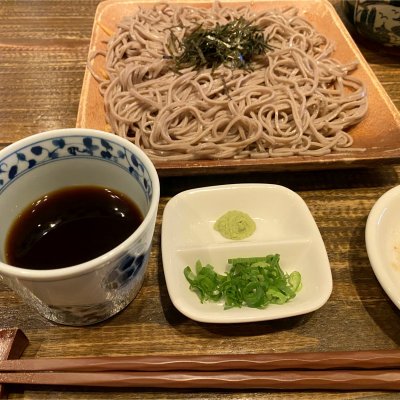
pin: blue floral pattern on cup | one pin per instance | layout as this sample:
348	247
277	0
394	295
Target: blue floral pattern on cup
44	151
126	270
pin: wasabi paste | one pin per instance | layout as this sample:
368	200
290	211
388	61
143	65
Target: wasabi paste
235	225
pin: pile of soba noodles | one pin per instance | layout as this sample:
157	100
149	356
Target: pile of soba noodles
294	100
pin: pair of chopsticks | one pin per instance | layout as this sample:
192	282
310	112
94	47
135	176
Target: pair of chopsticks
364	370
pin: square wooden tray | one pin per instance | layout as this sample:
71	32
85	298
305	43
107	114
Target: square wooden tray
378	133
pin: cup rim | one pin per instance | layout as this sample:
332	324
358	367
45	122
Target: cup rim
95	263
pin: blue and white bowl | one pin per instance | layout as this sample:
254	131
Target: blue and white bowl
95	290
378	21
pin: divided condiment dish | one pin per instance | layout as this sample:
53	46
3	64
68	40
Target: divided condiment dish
284	226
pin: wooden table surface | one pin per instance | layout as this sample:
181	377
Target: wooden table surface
43	49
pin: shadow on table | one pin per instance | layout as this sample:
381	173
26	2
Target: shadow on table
294	180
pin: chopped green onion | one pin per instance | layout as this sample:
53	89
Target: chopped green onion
252	282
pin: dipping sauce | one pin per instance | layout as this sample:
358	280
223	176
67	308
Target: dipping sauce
70	226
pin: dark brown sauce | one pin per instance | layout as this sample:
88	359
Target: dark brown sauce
70	226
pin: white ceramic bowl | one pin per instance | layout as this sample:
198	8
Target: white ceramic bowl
284	225
382	238
32	167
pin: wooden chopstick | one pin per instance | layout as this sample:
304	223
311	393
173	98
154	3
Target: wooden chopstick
375	359
286	380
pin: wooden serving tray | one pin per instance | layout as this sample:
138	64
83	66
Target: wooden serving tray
378	133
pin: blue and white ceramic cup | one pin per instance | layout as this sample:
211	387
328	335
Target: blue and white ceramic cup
97	289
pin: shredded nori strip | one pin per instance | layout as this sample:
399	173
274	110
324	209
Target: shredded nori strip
234	44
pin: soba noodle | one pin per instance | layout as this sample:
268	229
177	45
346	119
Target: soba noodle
296	100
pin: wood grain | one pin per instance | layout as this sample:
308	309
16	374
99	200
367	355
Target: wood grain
43	48
12	344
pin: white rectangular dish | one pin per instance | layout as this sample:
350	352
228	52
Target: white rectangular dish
284	226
